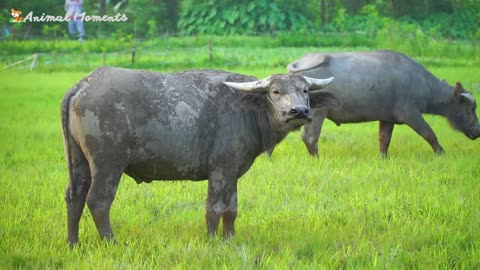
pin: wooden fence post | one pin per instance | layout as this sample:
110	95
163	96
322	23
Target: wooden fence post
34	61
134	49
210	50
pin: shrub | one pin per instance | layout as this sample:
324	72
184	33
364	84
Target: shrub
225	18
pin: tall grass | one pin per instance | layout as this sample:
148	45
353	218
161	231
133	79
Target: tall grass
117	43
172	58
346	209
394	36
410	39
249	59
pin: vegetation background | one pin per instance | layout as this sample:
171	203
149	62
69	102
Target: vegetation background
451	19
348	209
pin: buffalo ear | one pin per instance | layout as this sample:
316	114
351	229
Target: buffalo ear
323	100
459	89
462	94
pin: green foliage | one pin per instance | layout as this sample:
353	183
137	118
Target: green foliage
51	31
442	19
407	35
462	25
146	18
339	19
222	17
410	37
367	22
373	20
152	31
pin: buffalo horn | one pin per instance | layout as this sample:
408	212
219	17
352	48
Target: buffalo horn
317	84
259	86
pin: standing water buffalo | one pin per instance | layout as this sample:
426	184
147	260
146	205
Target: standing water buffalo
193	125
388	87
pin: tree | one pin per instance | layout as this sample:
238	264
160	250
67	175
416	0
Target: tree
103	7
224	17
393	5
323	11
102	11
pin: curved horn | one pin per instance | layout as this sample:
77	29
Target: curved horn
259	86
468	96
317	84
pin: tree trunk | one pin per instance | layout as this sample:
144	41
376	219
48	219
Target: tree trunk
329	10
454	6
102	11
172	10
323	12
103	7
26	35
427	11
394	5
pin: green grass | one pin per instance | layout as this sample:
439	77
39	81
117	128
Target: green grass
347	209
172	53
120	42
255	61
170	59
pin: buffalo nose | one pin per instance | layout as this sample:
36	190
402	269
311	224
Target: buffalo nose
299	112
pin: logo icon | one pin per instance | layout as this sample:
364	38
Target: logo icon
17	15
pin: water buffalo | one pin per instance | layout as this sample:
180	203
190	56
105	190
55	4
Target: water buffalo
194	125
388	87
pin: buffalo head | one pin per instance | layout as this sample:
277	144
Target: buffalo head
463	117
290	96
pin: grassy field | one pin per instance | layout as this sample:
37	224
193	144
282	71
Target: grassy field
346	209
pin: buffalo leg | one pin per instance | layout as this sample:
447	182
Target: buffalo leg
76	192
384	136
230	215
100	197
221	203
423	129
311	133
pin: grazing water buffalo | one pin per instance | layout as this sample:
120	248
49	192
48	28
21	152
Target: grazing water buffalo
388	87
193	125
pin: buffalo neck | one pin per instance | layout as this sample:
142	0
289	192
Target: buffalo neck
440	99
269	129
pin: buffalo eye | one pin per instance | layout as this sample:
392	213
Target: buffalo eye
275	91
305	91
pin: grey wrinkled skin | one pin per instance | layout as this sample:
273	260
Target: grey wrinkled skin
388	87
184	126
